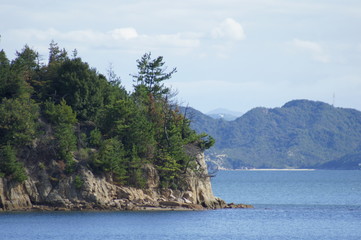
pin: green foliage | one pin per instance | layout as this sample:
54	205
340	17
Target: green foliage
25	71
151	75
113	91
6	90
17	121
9	166
62	117
141	134
66	144
90	119
59	113
56	55
115	118
83	154
301	134
168	169
26	62
130	125
4	63
135	170
206	142
78	181
110	158
49	74
14	80
95	139
42	165
81	87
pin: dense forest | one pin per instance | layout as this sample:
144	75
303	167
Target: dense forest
66	111
300	134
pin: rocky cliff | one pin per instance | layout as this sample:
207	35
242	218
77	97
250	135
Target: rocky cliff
72	139
85	191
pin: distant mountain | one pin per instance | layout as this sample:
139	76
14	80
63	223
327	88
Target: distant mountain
349	161
300	134
222	113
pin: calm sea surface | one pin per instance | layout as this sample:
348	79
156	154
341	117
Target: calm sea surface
288	205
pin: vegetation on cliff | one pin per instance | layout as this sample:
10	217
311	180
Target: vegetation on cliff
66	111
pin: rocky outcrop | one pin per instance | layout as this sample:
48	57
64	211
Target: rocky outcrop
44	190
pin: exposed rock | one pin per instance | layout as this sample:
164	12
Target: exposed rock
233	205
13	196
151	175
170	204
199	187
46	189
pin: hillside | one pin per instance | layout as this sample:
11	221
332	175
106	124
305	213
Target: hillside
300	134
225	114
71	138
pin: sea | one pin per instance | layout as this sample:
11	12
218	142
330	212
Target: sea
287	205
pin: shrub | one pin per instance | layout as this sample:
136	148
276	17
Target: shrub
9	166
79	182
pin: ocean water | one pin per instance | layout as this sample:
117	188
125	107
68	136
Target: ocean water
288	205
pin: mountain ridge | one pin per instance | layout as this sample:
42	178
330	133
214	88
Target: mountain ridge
300	134
222	113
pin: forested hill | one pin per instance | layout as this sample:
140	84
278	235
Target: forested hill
301	134
64	113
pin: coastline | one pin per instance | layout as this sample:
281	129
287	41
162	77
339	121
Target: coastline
96	193
165	206
280	169
269	169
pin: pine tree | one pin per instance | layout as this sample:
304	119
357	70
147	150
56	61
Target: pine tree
63	118
18	121
81	87
110	158
9	165
151	74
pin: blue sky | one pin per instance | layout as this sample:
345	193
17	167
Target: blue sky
235	54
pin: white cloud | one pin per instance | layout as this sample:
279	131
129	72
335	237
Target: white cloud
182	40
118	38
81	36
315	49
130	40
53	34
312	46
229	29
124	33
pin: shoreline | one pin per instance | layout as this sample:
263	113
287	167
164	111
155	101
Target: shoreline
281	169
175	206
269	169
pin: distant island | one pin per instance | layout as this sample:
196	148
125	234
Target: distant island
74	139
300	134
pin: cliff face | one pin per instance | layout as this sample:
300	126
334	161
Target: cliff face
85	191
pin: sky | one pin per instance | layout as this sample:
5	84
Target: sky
233	54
